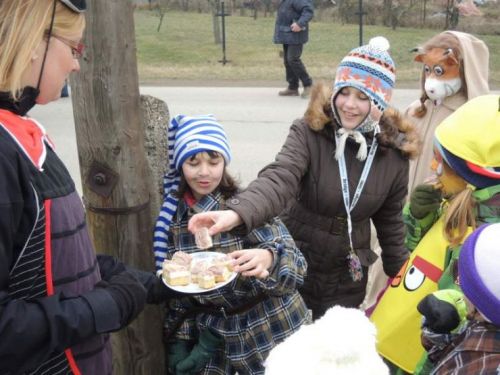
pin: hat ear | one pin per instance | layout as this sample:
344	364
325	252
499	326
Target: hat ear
420	54
451	59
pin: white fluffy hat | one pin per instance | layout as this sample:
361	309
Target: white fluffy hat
342	342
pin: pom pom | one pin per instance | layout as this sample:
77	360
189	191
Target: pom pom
379	43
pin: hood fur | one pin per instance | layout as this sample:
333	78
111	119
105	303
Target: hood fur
395	131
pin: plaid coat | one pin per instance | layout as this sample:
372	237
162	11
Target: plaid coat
248	336
477	353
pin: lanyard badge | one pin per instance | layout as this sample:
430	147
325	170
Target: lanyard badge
353	262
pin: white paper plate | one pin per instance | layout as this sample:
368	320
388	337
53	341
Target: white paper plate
193	288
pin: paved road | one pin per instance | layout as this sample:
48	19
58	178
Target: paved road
256	120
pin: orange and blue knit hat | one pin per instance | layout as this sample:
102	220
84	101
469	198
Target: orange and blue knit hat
370	69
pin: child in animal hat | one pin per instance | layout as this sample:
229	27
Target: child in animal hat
477	349
454	70
438	218
232	328
343	164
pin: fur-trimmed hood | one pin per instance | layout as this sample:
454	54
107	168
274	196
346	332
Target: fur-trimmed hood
395	131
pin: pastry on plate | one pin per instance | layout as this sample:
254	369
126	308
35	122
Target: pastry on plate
182	258
224	261
197	267
177	278
221	272
206	279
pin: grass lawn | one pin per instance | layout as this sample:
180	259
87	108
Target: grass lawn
184	49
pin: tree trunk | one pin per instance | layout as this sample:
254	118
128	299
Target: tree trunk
215	21
155	117
388	13
115	175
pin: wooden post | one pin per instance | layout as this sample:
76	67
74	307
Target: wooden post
115	175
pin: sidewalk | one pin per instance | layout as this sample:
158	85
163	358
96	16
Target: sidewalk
256	120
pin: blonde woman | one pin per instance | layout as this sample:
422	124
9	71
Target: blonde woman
57	301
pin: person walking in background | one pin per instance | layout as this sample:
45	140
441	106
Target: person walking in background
292	31
345	162
58	301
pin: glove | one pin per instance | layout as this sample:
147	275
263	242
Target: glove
423	200
444	310
207	345
128	293
177	351
109	266
158	292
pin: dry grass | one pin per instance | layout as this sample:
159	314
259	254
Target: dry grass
184	49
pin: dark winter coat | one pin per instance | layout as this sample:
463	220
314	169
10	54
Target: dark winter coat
304	181
290	11
47	261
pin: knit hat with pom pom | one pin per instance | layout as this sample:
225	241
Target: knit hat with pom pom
370	69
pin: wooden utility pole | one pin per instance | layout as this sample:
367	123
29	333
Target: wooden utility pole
115	175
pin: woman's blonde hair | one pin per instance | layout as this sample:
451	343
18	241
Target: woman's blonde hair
23	24
460	214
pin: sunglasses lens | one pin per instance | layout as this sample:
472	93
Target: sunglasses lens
78	51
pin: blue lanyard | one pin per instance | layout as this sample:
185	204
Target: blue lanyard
361	184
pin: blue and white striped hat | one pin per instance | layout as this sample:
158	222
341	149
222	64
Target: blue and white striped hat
187	136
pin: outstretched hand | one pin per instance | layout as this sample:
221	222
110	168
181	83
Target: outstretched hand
252	262
215	221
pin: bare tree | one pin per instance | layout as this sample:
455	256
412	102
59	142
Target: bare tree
161	8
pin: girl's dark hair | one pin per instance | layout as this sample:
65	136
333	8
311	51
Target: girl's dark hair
228	185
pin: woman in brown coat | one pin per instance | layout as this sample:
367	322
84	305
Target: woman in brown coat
347	137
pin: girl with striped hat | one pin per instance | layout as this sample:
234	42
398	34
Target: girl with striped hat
232	328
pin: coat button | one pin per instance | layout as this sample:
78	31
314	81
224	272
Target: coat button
234	201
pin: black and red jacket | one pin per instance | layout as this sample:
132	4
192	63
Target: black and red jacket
50	313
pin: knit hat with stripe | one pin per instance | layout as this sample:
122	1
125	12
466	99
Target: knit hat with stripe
187	136
370	69
469	141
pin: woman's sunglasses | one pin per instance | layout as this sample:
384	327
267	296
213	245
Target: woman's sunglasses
76	47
